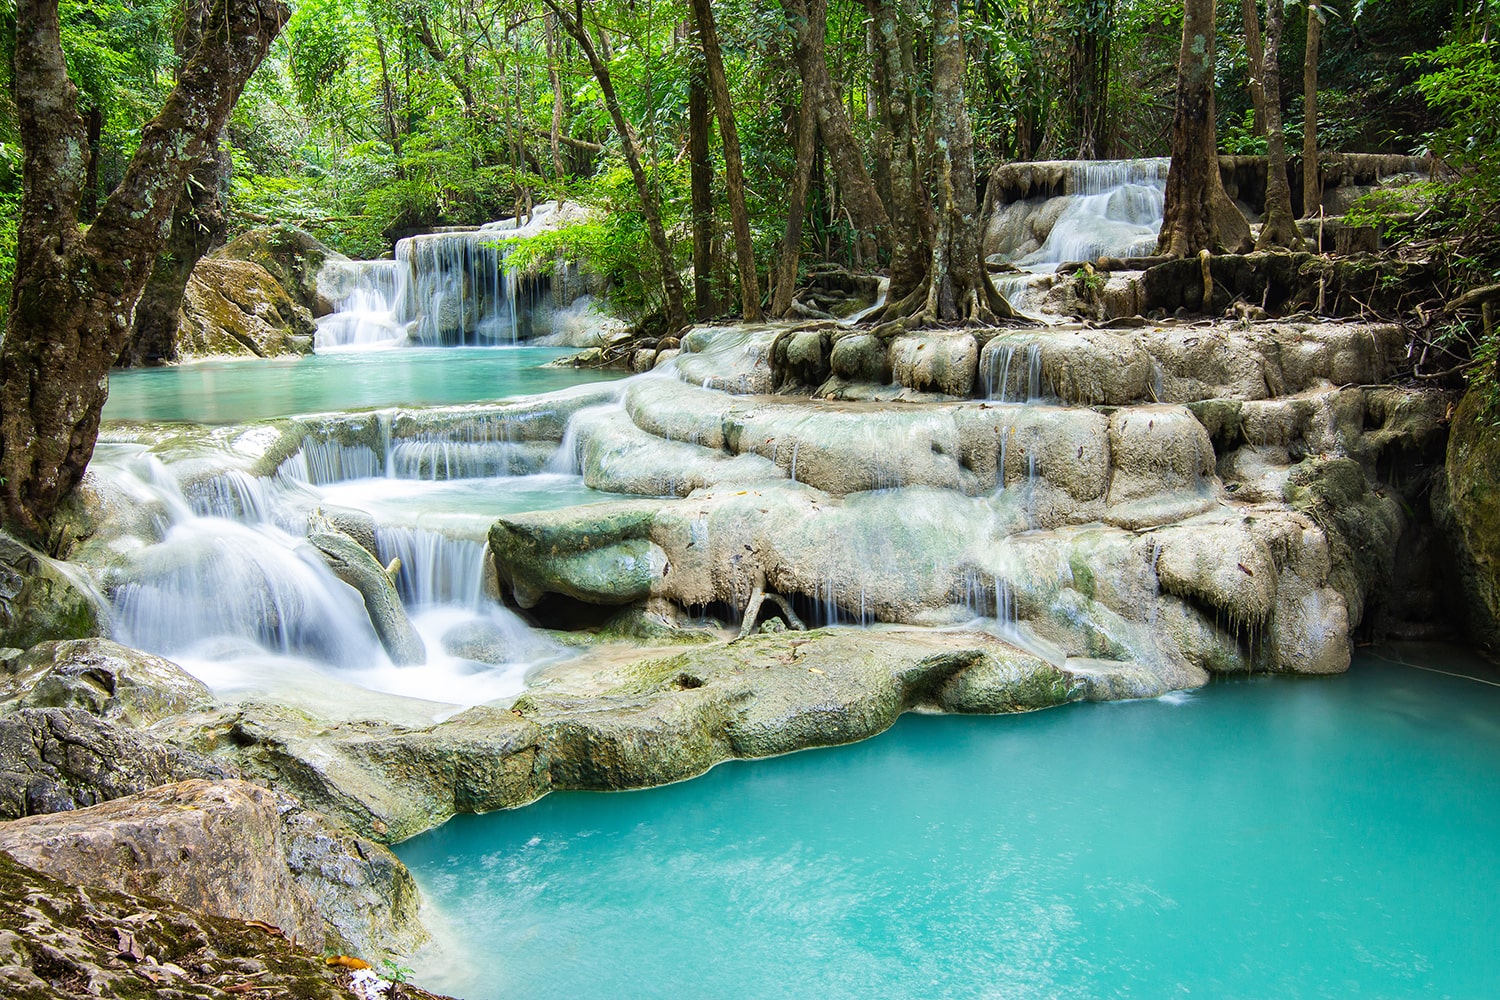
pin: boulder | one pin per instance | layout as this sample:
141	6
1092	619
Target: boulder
232	849
56	759
42	599
936	362
480	641
113	682
292	256
236	308
54	932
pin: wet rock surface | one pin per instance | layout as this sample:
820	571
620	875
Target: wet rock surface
616	722
236	850
57	759
105	679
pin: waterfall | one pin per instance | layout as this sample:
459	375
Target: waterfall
451	288
1108	208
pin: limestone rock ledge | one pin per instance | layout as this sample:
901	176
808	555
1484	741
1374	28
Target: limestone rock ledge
59	939
617	722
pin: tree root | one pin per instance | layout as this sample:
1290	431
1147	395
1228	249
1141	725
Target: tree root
758	597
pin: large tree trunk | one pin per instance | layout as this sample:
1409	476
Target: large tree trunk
958	286
791	243
809	26
672	305
701	189
910	212
198	226
1312	180
1199	215
75	291
734	171
1280	228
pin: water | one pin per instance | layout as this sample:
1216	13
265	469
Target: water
1269	837
230	392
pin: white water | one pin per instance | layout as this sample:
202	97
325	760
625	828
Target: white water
1112	208
222	579
452	288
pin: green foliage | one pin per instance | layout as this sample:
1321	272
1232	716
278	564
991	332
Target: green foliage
1239	139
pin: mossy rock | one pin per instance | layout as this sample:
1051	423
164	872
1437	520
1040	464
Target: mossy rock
293	257
1466	507
235	308
39	601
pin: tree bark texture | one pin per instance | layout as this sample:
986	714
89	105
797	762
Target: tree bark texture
74	294
959	287
701	189
198	227
809	26
1199	214
1280	228
672	292
791	243
1255	55
1312	179
734	170
909	207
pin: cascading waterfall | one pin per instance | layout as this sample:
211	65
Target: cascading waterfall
449	289
1109	208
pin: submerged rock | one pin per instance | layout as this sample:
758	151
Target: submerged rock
237	850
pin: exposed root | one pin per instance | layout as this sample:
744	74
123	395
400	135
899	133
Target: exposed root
758	597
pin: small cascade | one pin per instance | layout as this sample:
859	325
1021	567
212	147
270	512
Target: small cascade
320	462
1026	387
1106	208
435	569
372	309
284	599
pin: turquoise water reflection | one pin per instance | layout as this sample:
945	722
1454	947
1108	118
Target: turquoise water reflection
230	392
1270	837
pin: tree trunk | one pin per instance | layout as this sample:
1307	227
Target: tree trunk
701	173
198	226
1199	214
809	26
672	305
1088	76
75	291
911	226
1256	57
558	99
734	171
1312	180
1280	228
958	286
791	243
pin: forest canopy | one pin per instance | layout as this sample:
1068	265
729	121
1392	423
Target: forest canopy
373	119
